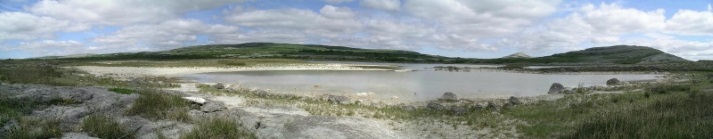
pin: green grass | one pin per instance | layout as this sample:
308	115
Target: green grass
219	128
122	90
190	63
153	104
34	128
105	127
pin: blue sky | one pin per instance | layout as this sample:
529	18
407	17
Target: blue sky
457	28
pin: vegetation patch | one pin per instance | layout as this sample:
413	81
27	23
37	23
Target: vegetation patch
34	128
155	105
105	127
219	128
121	90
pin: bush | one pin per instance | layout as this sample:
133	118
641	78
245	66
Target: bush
156	105
34	128
105	127
219	128
673	117
121	90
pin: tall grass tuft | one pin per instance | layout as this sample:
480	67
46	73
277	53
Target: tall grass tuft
121	90
105	127
219	128
34	128
155	105
673	117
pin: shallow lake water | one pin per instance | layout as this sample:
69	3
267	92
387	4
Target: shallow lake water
425	83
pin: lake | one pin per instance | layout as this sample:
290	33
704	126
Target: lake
426	83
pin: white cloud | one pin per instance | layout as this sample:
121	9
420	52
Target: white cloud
327	21
464	24
24	26
121	12
389	5
49	47
336	12
689	22
595	25
337	1
165	35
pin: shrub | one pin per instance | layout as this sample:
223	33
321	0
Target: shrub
155	105
219	128
673	117
105	127
121	90
34	128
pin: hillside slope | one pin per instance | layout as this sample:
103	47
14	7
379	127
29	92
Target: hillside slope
276	50
518	55
619	54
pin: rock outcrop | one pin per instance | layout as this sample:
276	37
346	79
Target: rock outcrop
338	99
556	88
613	81
449	96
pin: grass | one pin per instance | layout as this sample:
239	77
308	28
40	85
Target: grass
121	90
105	127
153	104
219	128
34	128
190	63
53	73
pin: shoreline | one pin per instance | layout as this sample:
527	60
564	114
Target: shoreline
125	72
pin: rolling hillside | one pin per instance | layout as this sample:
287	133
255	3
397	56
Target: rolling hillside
620	54
275	50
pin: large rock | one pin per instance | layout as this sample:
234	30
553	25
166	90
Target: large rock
339	99
514	100
449	96
493	106
213	106
435	106
556	88
197	100
219	86
459	111
613	81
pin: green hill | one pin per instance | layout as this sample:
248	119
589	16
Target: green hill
276	50
620	54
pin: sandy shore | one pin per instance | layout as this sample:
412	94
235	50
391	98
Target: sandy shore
174	71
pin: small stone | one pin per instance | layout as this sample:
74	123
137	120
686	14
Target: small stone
213	107
459	110
513	100
556	88
219	86
613	81
195	100
261	93
449	96
434	106
408	108
492	106
338	99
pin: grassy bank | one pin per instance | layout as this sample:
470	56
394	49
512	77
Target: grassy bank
190	63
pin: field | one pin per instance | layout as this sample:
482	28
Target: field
670	109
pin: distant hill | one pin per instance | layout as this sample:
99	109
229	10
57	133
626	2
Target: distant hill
618	54
518	55
276	50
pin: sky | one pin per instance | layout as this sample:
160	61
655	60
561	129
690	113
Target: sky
455	28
